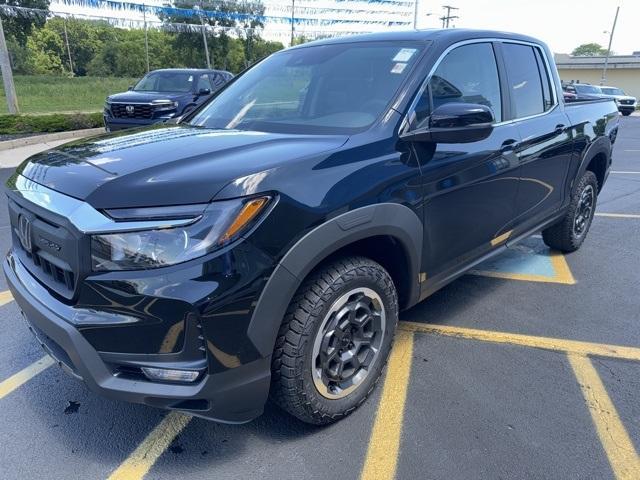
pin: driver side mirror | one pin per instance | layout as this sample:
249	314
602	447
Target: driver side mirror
455	123
130	87
204	91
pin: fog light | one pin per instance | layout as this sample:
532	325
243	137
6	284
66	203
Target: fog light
167	375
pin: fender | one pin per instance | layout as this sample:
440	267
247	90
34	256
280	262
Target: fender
390	219
601	145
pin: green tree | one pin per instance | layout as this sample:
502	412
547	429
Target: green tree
257	49
85	40
589	50
189	45
20	26
44	50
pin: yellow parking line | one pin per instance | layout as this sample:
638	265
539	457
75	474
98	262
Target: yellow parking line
5	297
614	438
546	343
23	376
561	267
384	444
618	215
138	464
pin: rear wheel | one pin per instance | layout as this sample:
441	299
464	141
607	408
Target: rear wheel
334	340
568	234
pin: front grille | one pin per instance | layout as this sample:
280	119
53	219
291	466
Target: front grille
626	102
59	275
131	110
49	251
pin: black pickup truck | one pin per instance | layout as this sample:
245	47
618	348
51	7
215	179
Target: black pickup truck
265	245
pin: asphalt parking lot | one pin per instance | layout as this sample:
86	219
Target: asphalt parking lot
529	367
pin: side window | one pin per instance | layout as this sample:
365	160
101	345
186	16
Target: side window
525	80
545	78
217	80
468	74
204	82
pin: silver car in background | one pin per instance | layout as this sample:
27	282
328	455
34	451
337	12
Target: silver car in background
626	103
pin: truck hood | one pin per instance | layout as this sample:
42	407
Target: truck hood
167	165
147	97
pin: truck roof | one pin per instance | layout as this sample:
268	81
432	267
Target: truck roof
449	35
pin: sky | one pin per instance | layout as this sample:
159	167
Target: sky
562	24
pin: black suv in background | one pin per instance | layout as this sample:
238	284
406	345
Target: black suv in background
162	95
583	91
265	245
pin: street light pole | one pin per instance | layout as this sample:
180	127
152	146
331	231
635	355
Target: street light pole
293	9
606	59
146	35
415	15
204	35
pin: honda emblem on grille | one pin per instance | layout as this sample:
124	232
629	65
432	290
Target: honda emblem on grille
24	232
130	109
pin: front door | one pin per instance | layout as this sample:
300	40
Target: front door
470	188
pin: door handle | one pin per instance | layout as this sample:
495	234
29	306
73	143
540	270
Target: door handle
508	145
559	128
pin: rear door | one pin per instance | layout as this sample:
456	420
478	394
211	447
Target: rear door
546	146
470	188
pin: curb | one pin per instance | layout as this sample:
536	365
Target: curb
49	137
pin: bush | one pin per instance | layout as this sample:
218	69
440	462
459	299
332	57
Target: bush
59	122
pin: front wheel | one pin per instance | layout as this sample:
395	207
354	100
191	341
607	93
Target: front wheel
568	234
334	340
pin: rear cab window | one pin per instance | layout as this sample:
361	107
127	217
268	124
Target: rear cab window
529	83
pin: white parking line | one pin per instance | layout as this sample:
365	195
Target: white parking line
624	172
618	215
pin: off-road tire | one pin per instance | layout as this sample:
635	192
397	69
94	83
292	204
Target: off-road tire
293	387
562	236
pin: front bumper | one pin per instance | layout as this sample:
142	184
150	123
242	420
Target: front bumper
235	395
113	124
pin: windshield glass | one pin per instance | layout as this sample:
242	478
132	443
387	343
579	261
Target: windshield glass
612	91
587	89
166	82
324	89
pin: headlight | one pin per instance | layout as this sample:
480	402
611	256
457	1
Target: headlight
219	224
161	105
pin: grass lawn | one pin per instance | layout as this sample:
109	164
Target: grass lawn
45	94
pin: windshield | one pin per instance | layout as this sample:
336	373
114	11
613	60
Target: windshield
324	89
587	89
166	82
612	91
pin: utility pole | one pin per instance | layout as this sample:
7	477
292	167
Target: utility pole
66	39
7	74
293	18
448	17
146	36
606	59
204	34
415	14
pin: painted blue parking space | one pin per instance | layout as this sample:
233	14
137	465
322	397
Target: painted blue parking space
530	260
